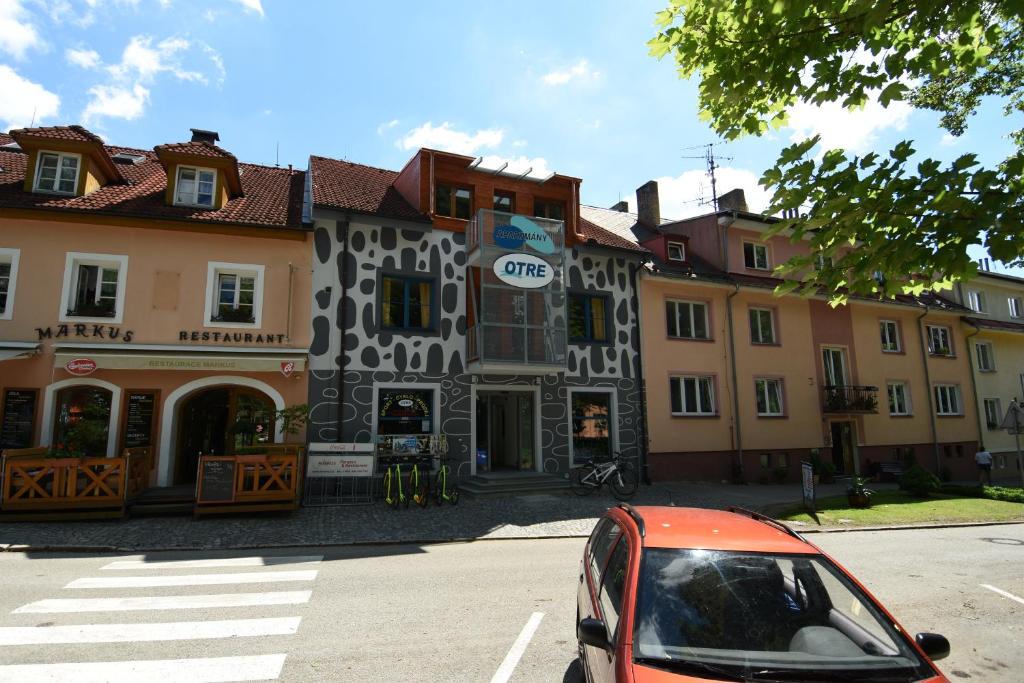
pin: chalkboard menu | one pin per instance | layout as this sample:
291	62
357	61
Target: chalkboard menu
19	418
138	421
216	483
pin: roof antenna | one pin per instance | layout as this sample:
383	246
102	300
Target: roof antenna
33	124
709	159
277	154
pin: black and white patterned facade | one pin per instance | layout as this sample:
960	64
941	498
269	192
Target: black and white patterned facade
351	359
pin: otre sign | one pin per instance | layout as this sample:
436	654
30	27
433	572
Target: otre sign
523	270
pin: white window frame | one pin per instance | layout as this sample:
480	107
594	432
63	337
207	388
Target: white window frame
998	412
761	383
989	354
756	246
689	305
11	256
74	259
678	245
907	405
195	195
1016	306
771	319
60	162
976	301
945	396
213	271
682	394
613	422
884	328
932	348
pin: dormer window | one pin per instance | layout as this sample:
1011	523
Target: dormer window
195	186
676	251
57	172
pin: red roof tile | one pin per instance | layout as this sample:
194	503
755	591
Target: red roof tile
346	186
200	149
592	232
71	133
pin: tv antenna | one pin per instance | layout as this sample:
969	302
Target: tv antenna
712	165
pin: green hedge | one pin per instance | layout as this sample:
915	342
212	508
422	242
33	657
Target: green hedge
1010	495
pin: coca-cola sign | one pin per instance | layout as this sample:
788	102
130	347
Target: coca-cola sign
80	366
287	368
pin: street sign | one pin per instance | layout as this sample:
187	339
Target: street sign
807	472
1013	423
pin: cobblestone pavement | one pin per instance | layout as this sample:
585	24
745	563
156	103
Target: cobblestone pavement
536	516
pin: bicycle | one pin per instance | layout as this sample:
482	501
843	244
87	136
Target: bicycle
393	476
442	491
620	475
420	492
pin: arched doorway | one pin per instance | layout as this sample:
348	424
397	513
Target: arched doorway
221	420
81	419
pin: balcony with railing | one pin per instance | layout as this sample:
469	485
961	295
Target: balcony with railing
847	399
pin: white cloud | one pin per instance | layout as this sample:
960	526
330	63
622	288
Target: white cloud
537	166
579	70
116	102
948	140
21	100
143	61
17	34
689	194
854	130
519	143
252	6
86	59
386	126
447	139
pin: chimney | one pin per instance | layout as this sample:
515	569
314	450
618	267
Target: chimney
734	199
200	135
622	206
647	207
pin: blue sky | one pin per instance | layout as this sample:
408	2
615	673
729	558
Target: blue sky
556	86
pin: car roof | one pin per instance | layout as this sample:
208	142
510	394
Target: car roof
680	527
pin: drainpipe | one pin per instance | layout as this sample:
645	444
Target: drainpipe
641	384
342	227
928	381
735	393
291	284
974	380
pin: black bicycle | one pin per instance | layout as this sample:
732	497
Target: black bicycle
619	473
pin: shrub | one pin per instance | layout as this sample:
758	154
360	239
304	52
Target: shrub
945	474
919	482
1010	495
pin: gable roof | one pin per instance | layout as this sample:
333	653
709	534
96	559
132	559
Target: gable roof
68	133
346	186
595	234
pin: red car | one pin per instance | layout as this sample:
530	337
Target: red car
684	594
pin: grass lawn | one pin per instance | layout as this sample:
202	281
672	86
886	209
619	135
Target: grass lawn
897	507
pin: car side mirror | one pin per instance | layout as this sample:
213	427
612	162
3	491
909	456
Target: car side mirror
592	632
933	644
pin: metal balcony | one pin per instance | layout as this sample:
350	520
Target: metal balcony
847	399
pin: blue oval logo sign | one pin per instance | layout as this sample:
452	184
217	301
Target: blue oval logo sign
524	271
535	236
508	236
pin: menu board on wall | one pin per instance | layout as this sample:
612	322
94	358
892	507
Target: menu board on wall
138	422
19	418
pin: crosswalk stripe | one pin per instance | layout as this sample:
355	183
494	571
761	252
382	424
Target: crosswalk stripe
200	670
154	602
192	579
136	633
267	561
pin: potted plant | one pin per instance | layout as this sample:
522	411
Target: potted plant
292	419
857	495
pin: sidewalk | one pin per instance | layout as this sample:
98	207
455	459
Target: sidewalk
536	516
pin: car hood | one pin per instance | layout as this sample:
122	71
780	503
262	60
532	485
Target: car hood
647	674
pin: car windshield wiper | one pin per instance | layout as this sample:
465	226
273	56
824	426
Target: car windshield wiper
690	666
861	676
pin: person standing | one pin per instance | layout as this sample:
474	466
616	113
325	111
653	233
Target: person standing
984	460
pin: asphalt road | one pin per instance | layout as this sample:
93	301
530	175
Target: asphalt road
448	612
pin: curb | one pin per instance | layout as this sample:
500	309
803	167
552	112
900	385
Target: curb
16	548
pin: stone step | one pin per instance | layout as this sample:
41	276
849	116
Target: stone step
519	484
159	509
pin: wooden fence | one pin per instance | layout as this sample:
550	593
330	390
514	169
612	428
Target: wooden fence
270	480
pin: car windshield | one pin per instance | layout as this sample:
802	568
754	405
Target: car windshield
752	615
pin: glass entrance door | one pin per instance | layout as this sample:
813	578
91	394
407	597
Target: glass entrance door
505	431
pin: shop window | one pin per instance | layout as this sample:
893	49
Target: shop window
755	256
452	201
769	397
976	301
890	332
938	340
947	399
986	361
692	395
588	318
676	251
8	280
687	319
1016	308
406	303
504	201
195	186
405	411
543	208
993	413
762	326
591	425
82	421
899	398
94	286
57	172
234	294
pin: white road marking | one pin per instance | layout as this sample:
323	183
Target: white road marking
191	579
56	606
1002	592
137	633
209	670
268	561
508	665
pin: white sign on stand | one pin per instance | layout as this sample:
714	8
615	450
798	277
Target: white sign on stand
339	465
319	447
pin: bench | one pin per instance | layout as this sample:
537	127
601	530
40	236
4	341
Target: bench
890	471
